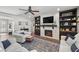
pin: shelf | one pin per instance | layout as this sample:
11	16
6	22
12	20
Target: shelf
37	25
68	31
67	20
67	16
77	21
69	26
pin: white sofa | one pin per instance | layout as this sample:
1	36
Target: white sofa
21	37
64	47
14	47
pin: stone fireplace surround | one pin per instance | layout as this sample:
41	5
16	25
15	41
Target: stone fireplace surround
49	31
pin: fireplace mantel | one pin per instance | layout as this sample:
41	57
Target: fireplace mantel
51	25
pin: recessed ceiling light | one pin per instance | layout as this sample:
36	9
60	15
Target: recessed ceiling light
58	9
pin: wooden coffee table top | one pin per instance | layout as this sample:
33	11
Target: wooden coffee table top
29	37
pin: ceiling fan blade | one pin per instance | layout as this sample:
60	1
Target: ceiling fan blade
26	12
35	11
32	13
23	9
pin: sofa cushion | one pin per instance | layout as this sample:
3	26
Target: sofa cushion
77	42
15	47
77	50
6	43
12	40
1	49
1	45
77	35
70	40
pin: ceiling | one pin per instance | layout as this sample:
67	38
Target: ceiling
43	9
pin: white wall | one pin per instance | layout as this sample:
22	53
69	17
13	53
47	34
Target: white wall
16	18
55	30
24	20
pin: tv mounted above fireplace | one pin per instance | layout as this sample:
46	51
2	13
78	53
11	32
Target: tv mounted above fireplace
49	19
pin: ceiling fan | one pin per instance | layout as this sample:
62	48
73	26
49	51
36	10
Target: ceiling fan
29	10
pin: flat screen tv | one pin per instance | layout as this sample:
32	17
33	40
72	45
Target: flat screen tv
49	19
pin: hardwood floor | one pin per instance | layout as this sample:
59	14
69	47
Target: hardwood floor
48	39
41	45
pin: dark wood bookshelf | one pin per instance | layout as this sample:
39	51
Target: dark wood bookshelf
37	25
68	22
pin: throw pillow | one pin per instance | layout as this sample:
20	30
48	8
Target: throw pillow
70	40
6	43
77	35
22	33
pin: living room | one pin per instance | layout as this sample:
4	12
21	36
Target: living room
37	28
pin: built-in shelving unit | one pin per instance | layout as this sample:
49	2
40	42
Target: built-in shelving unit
37	25
68	22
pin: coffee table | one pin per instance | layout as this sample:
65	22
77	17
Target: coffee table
29	38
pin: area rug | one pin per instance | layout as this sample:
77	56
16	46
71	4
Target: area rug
41	45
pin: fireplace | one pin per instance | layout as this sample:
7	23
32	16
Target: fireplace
48	33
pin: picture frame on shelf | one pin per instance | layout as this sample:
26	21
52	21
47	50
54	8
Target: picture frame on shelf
66	24
73	23
74	18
